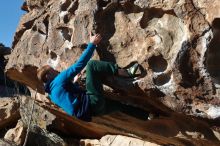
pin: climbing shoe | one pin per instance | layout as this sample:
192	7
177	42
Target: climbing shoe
132	70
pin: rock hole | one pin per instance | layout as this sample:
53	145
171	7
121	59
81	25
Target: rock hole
42	3
65	5
153	13
46	23
103	3
44	116
162	79
29	24
157	63
198	111
53	55
130	7
66	33
34	28
213	53
41	32
53	60
106	29
185	66
73	7
66	18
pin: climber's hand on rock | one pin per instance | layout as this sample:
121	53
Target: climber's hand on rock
95	39
77	78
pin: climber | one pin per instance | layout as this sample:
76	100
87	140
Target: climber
67	94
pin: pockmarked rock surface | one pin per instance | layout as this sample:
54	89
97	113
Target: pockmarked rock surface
168	39
41	120
40	117
174	41
38	136
17	134
116	140
8	88
6	143
176	130
9	113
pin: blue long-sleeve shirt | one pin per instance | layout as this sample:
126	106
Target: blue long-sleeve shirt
66	94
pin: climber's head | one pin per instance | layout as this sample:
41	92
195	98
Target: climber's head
46	73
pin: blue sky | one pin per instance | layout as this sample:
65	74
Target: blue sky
10	14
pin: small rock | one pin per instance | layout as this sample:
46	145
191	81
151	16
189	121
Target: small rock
42	137
17	134
116	140
6	143
9	113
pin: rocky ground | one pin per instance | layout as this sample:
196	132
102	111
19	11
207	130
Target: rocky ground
175	42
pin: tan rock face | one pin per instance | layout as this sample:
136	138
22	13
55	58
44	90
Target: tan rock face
9	113
209	8
17	134
40	117
6	143
169	39
116	140
176	129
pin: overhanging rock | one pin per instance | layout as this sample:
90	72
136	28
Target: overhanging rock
176	129
169	39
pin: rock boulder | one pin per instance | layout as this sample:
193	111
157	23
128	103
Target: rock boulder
169	39
9	113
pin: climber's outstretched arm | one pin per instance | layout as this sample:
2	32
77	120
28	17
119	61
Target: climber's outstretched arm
77	67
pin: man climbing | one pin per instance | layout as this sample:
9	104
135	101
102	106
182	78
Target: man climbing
72	99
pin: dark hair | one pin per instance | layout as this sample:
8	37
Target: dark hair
42	72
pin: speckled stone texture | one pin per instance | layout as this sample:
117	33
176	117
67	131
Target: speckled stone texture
175	41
